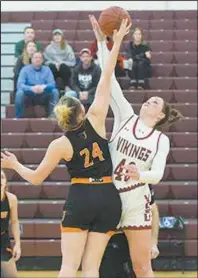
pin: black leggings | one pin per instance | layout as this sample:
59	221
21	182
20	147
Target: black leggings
116	262
140	72
64	73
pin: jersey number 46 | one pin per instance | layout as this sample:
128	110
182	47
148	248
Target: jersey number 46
119	173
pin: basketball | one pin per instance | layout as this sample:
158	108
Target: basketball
111	19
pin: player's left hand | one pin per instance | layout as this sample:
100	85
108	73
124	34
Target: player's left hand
132	172
100	36
154	252
8	160
16	252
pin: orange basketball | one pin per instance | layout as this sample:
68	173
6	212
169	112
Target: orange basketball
111	18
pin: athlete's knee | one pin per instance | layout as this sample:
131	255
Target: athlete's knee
90	266
70	264
142	268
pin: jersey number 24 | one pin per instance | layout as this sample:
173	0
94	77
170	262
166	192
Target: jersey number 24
90	155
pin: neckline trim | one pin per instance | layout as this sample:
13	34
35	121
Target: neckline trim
134	131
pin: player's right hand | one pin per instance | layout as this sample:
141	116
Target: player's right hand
123	31
100	36
8	160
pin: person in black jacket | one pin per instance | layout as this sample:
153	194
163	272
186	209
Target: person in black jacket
85	78
24	59
116	262
139	64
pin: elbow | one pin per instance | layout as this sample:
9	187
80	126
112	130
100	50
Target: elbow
156	181
36	181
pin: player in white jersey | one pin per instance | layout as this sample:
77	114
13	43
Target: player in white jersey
139	151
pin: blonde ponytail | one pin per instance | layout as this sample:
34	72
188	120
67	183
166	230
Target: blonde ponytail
63	114
67	112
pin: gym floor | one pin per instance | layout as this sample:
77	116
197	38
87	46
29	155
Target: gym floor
53	274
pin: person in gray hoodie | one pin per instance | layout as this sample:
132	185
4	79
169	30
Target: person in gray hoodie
60	57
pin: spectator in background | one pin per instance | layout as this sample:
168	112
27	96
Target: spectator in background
138	53
24	59
85	78
60	57
35	86
29	35
119	69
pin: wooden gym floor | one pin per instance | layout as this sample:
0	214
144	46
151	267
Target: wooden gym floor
53	274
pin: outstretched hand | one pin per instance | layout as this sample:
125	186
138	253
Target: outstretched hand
123	31
8	160
100	36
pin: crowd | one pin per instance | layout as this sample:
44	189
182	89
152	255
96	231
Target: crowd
43	75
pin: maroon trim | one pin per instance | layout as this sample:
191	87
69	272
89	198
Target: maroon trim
121	128
142	138
137	228
158	139
132	187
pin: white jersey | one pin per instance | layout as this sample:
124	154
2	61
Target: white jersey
133	144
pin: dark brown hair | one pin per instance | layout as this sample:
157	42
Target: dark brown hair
171	116
28	27
63	42
141	31
67	111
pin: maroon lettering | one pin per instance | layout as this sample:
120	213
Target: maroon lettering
124	142
147	214
141	154
148	152
119	143
126	148
135	151
131	150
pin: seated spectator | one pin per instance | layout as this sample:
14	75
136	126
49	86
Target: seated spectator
60	57
119	69
24	59
139	54
35	86
85	78
29	35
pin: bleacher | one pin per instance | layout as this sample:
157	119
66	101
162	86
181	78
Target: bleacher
173	39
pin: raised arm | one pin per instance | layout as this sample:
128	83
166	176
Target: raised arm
119	104
121	108
54	154
100	106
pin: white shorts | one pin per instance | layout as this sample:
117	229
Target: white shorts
136	208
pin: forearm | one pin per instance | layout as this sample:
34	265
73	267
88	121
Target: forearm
111	60
26	173
155	224
118	101
152	177
159	162
15	228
